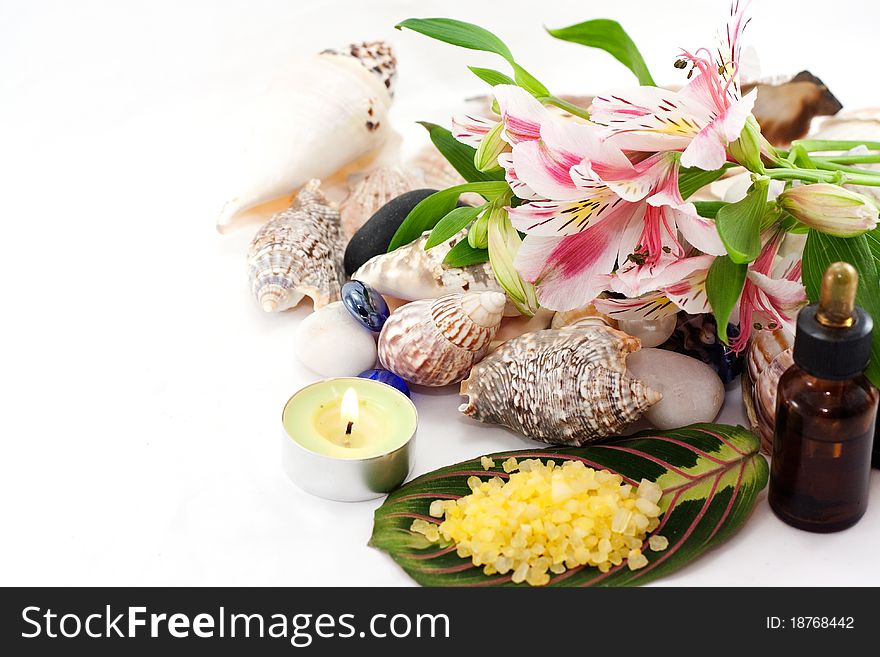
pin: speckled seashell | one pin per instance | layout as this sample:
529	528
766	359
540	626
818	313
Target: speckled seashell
563	386
434	342
436	172
586	316
412	273
298	253
372	192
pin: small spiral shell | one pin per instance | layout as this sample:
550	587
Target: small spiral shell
434	342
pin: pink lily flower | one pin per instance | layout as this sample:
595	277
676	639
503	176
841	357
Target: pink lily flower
772	294
682	286
700	120
580	227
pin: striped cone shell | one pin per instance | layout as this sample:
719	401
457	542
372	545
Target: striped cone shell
298	253
434	342
564	386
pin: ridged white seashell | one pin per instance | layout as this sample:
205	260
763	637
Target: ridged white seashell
563	386
371	193
435	172
434	342
298	253
322	113
412	273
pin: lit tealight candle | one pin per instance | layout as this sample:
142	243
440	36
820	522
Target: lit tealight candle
348	438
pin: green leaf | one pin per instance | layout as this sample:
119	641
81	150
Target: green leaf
724	284
609	36
463	255
820	251
460	156
432	209
691	180
474	37
708	209
452	223
458	33
491	76
739	224
528	82
710	474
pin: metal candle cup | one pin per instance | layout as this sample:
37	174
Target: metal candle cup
331	453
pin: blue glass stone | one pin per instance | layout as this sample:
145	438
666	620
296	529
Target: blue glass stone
365	304
697	336
388	378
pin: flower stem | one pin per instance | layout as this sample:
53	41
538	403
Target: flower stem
833	166
835	176
571	108
812	145
848	159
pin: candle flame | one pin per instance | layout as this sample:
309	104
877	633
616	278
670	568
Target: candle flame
348	412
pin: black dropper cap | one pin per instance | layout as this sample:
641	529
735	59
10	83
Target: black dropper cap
833	339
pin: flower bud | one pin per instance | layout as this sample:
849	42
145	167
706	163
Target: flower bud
830	209
491	146
504	242
477	236
748	147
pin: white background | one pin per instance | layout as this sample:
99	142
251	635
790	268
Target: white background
141	384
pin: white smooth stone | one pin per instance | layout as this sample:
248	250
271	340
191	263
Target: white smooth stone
652	332
692	391
332	343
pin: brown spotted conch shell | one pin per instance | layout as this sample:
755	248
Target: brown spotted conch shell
298	254
564	386
434	342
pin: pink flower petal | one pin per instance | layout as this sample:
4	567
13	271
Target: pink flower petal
517	186
654	305
546	171
560	218
698	231
650	118
569	272
470	129
521	113
708	150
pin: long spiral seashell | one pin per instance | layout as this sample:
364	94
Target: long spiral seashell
298	253
564	386
435	342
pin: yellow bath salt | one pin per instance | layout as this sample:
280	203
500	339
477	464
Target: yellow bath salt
487	462
658	543
547	518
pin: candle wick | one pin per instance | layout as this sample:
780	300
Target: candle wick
346	440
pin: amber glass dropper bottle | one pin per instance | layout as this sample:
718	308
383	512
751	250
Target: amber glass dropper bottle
825	413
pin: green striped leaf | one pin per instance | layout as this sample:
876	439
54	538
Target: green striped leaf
692	180
491	76
710	474
724	285
432	209
453	223
464	255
